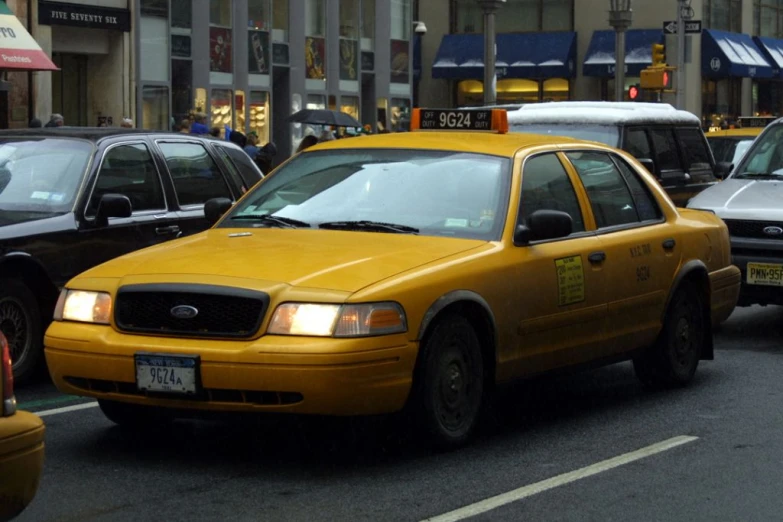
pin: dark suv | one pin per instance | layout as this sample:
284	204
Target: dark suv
72	198
667	141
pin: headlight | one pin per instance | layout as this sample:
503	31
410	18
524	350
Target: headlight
83	306
326	320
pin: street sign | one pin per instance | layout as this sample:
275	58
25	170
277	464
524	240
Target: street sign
691	27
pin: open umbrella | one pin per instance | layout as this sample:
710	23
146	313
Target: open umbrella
324	117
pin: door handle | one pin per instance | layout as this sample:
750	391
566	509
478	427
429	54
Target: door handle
164	231
669	244
597	257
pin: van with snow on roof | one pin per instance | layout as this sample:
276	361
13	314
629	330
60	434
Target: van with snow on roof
668	142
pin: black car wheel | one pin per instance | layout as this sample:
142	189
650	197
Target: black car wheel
134	416
673	359
20	321
450	383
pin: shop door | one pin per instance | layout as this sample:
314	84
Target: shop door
69	89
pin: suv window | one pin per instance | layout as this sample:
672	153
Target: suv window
645	203
129	170
231	168
196	176
637	144
546	186
609	195
667	154
247	169
695	147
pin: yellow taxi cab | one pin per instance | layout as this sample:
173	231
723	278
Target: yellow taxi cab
410	271
728	146
21	445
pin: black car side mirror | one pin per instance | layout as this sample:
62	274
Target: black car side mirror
542	225
723	169
112	206
648	164
215	208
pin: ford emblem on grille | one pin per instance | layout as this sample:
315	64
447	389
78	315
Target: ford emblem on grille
773	231
184	312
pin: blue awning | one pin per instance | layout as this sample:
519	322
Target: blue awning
773	52
600	59
725	54
519	55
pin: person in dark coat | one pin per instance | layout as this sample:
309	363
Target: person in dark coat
35	123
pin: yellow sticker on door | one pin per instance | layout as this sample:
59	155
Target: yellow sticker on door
570	280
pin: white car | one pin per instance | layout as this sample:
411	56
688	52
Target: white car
750	201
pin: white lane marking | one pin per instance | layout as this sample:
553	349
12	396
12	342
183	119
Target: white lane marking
66	409
560	480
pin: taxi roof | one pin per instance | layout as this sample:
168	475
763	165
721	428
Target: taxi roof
477	142
736	133
606	113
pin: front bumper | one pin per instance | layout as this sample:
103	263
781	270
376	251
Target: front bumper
21	461
725	290
746	251
274	373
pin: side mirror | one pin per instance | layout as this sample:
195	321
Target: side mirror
542	225
723	169
648	164
215	208
112	206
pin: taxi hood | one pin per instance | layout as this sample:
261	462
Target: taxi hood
327	259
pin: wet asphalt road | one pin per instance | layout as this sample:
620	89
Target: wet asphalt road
730	468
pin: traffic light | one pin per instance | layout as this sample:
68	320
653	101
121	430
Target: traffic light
658	54
657	78
634	92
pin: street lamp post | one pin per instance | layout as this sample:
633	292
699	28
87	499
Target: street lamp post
490	7
620	17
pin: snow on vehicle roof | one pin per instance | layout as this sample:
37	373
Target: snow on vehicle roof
606	113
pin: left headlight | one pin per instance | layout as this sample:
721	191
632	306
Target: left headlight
83	306
331	320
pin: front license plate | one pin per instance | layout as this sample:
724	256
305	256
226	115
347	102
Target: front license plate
765	274
167	373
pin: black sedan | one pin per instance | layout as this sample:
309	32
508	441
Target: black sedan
72	198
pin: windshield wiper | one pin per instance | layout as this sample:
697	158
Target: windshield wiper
276	220
369	226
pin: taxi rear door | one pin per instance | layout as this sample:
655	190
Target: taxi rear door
640	249
561	300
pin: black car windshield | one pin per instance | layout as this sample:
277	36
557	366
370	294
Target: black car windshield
606	134
427	192
40	177
765	157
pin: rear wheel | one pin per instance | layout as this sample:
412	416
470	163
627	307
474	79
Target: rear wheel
133	416
450	383
20	321
673	360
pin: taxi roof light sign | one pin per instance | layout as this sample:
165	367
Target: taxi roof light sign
471	120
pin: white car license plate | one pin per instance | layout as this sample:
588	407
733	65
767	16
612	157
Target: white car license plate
167	373
765	274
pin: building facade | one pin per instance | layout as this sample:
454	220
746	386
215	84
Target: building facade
564	50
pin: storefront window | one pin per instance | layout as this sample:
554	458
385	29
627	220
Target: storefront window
200	103
181	93
471	92
400	115
182	14
556	89
239	111
280	20
515	16
767	98
768	18
220	13
258	15
259	116
221	109
350	105
368	20
155	108
382	109
721	101
349	39
725	15
154	36
315	18
401	19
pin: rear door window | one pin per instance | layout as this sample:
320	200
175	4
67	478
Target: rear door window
667	154
695	148
195	174
247	169
637	144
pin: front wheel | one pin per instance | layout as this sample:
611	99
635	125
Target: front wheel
20	321
133	416
673	359
450	383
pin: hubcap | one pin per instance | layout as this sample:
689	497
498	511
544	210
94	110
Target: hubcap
454	390
14	325
682	340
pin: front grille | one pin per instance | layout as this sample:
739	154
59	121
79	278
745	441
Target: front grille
221	311
264	398
753	229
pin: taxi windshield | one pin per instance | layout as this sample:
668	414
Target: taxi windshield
436	193
606	134
40	177
765	157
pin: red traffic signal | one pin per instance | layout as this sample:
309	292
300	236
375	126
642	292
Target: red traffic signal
634	92
666	79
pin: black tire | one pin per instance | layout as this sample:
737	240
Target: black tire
20	321
673	359
134	416
449	383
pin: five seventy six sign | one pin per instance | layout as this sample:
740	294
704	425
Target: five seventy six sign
80	15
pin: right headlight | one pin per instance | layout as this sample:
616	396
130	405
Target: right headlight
83	306
332	320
